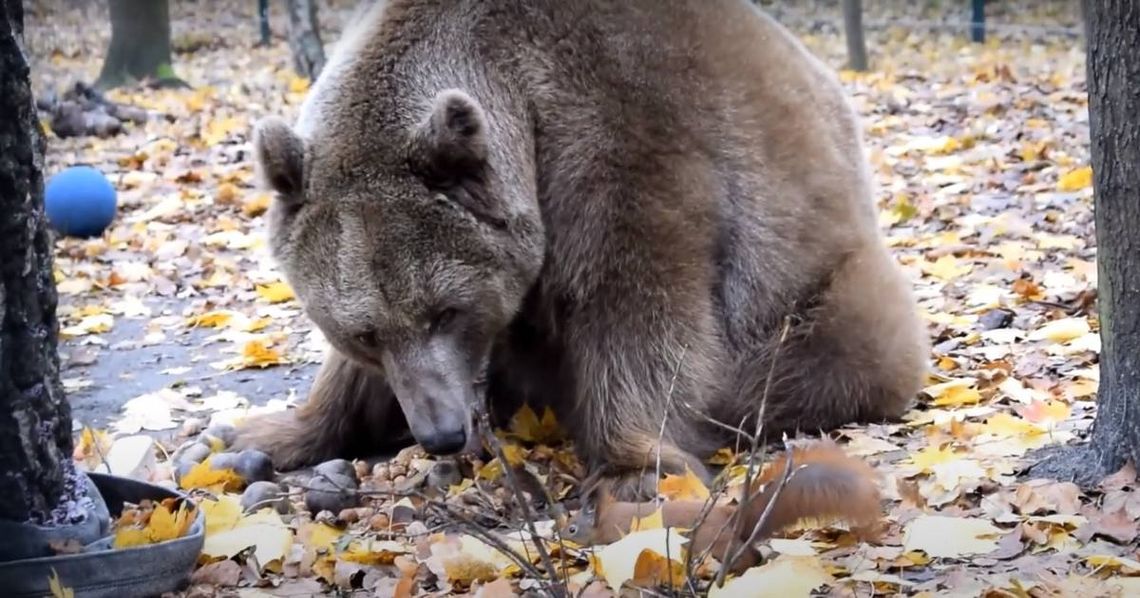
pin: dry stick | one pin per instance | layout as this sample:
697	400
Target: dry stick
789	471
660	439
508	472
496	543
755	449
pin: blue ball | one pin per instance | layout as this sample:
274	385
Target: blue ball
80	202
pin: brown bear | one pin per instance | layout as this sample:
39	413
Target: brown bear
646	213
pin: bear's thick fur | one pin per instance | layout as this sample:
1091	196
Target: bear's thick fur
635	211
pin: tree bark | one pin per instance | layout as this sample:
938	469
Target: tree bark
305	38
1111	28
140	45
35	417
853	29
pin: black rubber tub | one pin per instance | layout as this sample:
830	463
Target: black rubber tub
139	571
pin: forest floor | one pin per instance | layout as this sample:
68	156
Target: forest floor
980	156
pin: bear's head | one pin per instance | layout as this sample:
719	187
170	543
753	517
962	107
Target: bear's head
405	246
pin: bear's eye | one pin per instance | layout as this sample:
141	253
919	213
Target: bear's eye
368	339
443	319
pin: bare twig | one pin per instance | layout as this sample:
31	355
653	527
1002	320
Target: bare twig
557	589
752	536
755	449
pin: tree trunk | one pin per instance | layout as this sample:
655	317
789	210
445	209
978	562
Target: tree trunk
853	29
1114	127
140	45
35	418
305	38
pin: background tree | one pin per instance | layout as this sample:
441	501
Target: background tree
35	418
1112	28
305	38
140	45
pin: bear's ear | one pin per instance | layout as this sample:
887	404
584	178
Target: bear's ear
451	144
280	157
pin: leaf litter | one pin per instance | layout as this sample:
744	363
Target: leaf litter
980	158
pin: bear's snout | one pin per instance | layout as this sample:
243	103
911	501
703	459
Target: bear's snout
445	442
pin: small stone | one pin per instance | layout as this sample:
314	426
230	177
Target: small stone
364	513
192	427
162	471
379	522
225	461
224	432
444	474
996	318
331	492
398	469
132	457
211	442
407	454
325	517
381	472
339	467
265	494
192	452
255	466
361	468
398	480
416	529
182	468
348	516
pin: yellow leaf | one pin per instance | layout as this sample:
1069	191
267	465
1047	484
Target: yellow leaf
514	454
957	396
780	577
1075	180
930	456
263	530
1061	331
940	536
275	292
654	520
166	525
1005	424
618	560
58	590
1045	412
202	476
227	193
492	470
298	84
256	354
127	537
1101	561
374	552
256	205
683	487
652	569
320	536
163	525
92	447
947	268
221	514
526	426
213	319
258	325
723	456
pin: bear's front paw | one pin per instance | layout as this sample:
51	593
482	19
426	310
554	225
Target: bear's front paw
280	436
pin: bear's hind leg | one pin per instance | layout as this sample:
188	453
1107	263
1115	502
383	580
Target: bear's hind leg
350	412
858	356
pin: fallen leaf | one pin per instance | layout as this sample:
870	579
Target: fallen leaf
785	576
683	487
950	537
618	560
276	292
201	475
1075	180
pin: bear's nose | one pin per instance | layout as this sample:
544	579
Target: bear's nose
445	443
